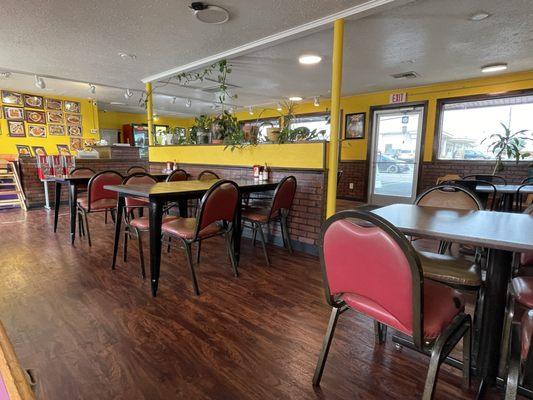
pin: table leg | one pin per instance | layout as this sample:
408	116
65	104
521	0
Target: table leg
46	195
155	219
237	230
73	200
183	209
57	202
498	274
118	222
508	202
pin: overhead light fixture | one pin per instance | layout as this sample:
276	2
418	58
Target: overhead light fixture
251	110
316	101
128	93
295	98
126	56
279	108
117	103
39	82
208	13
92	88
494	67
5	75
309	59
188	103
479	16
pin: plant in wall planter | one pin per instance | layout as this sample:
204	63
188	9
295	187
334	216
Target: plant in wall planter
510	145
202	129
225	126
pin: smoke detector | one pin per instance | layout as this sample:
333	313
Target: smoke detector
208	13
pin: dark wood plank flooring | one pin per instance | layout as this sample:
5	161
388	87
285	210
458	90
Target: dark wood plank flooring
93	333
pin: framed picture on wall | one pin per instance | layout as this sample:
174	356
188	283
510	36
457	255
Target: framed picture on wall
76	143
39	151
71	106
54	104
56	130
33	101
37	130
35	117
73	119
54	117
63	150
12	98
14	113
354	126
23	150
16	128
74	130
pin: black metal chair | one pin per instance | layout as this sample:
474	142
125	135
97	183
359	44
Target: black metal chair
526	183
486	198
495	179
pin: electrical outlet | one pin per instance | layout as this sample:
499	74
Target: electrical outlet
351	185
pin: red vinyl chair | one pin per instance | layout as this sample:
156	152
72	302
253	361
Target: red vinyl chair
207	175
136	169
521	359
256	218
215	217
370	267
177	175
134	226
98	199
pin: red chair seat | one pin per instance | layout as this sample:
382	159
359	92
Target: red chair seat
143	223
526	259
523	290
255	214
527	331
185	228
441	305
98	205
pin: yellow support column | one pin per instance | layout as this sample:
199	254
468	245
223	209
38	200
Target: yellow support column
149	113
336	83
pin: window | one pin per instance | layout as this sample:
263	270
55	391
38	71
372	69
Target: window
320	122
263	124
465	124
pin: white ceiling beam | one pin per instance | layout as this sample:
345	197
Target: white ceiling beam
277	37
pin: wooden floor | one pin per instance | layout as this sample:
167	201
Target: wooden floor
93	333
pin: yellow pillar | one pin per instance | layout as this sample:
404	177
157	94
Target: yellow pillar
336	83
149	113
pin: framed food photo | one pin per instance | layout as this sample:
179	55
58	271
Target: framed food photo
71	106
54	117
35	117
16	128
56	130
39	151
354	126
12	98
14	113
76	143
53	104
73	119
63	150
23	150
74	130
33	101
37	131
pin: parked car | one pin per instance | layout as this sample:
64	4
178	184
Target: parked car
391	165
474	155
406	155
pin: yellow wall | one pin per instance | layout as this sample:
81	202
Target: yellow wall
89	121
296	155
115	120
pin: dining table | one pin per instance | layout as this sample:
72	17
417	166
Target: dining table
507	191
180	192
501	233
74	183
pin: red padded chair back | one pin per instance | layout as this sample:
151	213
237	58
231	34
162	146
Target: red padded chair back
97	183
177	175
82	171
136	169
207	175
137	179
283	196
218	204
368	260
526	259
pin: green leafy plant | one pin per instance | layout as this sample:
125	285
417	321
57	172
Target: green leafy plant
224	125
509	145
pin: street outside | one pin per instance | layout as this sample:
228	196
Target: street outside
394	184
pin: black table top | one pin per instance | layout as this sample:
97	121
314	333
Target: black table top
84	178
505	188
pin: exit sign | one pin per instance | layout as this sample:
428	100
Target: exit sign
397	98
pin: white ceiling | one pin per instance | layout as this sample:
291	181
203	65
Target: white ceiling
80	40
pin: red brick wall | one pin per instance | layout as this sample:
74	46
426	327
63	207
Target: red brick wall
355	172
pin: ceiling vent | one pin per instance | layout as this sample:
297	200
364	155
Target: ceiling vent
406	75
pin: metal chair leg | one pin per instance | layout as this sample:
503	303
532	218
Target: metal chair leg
380	332
467	357
285	231
191	267
141	254
168	246
82	225
231	254
198	249
263	242
112	212
105	217
125	251
86	224
335	313
513	375
254	235
507	328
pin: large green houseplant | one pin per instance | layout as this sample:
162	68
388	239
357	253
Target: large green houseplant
507	144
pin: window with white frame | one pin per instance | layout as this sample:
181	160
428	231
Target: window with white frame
318	122
263	124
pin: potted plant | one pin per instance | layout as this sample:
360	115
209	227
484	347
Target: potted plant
202	128
224	125
507	144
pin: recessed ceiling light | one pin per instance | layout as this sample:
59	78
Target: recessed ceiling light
128	93
188	103
295	98
208	13
309	59
117	103
494	67
126	56
479	16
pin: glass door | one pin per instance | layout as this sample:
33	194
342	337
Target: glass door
395	155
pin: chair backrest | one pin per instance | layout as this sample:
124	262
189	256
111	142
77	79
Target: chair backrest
522	192
82	171
495	179
449	196
207	175
218	204
470	183
526	259
366	258
447	177
283	196
177	175
529	179
136	169
96	186
140	178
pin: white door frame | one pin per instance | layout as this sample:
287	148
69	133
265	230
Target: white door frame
383	199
